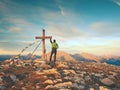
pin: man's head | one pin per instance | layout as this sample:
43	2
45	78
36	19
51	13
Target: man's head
54	40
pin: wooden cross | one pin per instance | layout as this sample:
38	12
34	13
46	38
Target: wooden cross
43	37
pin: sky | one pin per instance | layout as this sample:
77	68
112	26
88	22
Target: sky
91	26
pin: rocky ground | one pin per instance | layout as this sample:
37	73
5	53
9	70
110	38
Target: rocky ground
38	75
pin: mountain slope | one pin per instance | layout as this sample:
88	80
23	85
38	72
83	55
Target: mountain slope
62	56
87	57
38	75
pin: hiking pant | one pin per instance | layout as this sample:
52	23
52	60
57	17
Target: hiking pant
54	51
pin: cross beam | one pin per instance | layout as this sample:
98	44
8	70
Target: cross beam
43	37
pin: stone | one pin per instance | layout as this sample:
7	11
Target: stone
62	85
81	87
51	72
48	82
87	78
107	81
39	61
45	66
98	75
62	66
64	89
69	72
77	79
72	71
2	87
49	87
103	88
75	86
13	77
57	81
113	73
27	61
37	86
23	88
39	72
1	78
91	89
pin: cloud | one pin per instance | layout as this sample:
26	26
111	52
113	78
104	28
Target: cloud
62	11
117	2
62	23
4	52
63	30
105	29
14	29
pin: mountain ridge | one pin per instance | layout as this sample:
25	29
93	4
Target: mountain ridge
86	57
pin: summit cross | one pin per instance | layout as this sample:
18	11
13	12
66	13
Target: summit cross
43	37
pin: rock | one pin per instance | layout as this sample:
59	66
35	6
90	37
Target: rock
62	66
64	89
49	87
48	82
87	78
72	71
98	75
27	61
39	72
63	85
91	89
37	86
36	64
39	61
82	73
66	72
51	72
2	87
19	65
81	87
75	86
57	81
13	77
45	66
103	88
113	73
107	82
77	78
69	72
1	78
23	88
67	78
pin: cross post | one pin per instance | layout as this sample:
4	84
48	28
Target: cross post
43	37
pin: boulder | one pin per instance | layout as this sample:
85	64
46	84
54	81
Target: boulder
1	78
107	82
57	81
2	87
63	85
69	72
62	66
13	77
75	86
48	82
51	72
103	88
49	87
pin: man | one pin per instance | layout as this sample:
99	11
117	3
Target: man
54	49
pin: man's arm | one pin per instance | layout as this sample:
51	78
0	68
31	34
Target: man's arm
51	39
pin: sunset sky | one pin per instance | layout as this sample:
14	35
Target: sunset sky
91	26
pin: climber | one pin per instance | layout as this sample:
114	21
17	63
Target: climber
54	49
